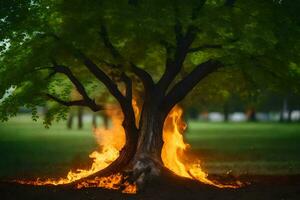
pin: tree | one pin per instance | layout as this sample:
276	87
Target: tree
162	48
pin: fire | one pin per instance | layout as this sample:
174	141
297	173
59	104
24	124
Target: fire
113	139
110	142
174	149
114	182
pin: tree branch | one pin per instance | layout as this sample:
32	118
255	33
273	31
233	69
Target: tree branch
102	77
128	83
169	49
127	105
183	87
125	101
173	66
105	79
146	78
178	30
98	72
71	103
80	88
108	44
183	43
142	74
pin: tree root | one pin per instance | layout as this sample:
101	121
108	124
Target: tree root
117	166
139	172
144	170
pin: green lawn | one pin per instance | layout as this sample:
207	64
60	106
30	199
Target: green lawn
247	148
29	150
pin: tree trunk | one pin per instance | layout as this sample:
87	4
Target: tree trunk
80	116
283	110
252	115
289	117
147	162
226	112
70	120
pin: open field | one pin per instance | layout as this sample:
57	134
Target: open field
247	148
29	150
265	155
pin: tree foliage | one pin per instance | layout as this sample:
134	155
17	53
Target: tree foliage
47	45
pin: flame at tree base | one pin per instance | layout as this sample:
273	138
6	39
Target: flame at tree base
114	181
100	161
112	140
174	151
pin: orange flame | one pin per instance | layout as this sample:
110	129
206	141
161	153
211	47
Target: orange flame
111	142
111	182
174	150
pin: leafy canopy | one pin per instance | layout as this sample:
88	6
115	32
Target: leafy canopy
257	41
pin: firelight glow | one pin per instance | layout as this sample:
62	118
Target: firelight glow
111	142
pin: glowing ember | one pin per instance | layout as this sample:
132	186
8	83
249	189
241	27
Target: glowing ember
174	150
110	182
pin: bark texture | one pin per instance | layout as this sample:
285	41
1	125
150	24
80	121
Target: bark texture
147	162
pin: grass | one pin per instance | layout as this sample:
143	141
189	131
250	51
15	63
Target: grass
247	148
27	149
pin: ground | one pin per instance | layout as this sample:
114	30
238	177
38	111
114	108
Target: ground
264	154
167	188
